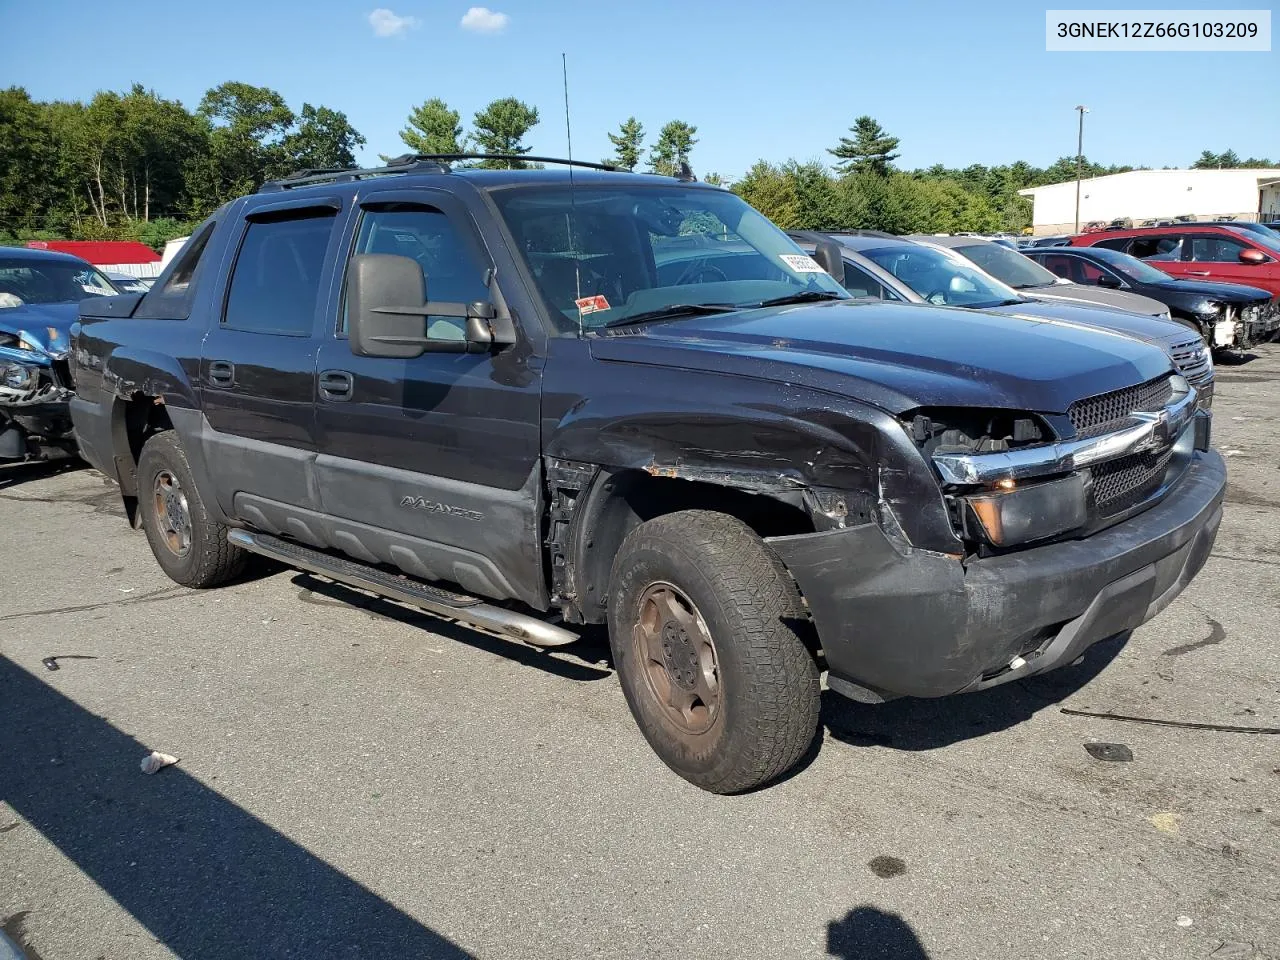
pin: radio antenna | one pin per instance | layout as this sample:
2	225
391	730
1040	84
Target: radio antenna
573	207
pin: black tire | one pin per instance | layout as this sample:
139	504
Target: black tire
208	560
766	690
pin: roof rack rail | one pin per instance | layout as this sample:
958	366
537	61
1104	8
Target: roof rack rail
408	163
867	233
523	157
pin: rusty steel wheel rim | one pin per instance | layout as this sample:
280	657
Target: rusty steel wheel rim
677	657
173	516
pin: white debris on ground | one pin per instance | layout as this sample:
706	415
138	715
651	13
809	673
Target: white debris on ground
156	760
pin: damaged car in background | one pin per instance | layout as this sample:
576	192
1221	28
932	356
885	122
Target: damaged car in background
40	293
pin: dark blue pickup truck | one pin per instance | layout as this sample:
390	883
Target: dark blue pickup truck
531	399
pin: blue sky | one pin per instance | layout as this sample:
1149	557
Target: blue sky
959	83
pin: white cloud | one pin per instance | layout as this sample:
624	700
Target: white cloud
385	23
484	20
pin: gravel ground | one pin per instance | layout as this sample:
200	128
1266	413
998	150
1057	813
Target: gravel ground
360	780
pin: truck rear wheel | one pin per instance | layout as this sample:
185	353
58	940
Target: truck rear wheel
704	624
190	547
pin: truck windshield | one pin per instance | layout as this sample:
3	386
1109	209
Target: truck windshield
941	277
603	254
49	281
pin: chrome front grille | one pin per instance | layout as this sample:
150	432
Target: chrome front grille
1110	411
1193	361
1110	428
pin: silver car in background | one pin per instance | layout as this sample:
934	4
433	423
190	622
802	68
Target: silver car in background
1032	280
886	267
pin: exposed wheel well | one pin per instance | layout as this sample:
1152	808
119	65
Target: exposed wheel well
619	502
133	421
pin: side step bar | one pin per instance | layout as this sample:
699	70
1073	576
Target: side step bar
458	606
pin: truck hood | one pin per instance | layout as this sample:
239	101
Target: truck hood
1069	292
898	356
43	325
1149	329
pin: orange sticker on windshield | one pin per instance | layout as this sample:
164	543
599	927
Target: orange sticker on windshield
592	304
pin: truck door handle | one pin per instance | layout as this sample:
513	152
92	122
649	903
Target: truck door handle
222	373
336	384
1198	273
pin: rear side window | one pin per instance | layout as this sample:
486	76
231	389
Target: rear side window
174	290
188	258
1114	243
276	279
1157	248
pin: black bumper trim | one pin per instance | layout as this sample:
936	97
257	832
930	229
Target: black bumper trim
923	624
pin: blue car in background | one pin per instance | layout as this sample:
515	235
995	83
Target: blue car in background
40	294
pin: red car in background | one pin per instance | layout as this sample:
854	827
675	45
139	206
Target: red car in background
1224	254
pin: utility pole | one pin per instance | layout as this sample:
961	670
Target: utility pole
1079	161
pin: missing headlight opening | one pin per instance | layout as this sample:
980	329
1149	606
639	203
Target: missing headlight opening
975	431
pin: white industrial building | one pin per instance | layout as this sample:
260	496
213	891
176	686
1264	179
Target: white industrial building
1157	195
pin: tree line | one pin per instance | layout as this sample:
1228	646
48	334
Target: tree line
866	191
433	127
135	165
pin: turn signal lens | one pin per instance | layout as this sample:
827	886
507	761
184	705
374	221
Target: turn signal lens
1008	516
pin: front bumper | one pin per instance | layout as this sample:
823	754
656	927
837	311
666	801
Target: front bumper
895	621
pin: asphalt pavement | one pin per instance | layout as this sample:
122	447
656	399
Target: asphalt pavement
361	780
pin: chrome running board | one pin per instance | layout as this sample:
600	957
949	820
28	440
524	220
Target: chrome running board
457	606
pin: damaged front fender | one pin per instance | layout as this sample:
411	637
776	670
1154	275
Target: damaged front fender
840	460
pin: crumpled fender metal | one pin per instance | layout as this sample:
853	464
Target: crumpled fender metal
763	437
129	372
30	358
50	341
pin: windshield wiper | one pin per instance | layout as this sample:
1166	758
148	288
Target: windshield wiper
807	296
674	310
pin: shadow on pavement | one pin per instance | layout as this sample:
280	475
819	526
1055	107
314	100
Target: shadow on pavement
910	724
867	933
208	879
1234	358
591	657
14	473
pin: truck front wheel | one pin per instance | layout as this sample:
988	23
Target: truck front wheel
705	626
190	547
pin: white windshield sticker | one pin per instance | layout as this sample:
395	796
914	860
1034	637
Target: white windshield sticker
801	263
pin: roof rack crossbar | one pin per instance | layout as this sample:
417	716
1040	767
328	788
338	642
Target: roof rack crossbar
409	163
